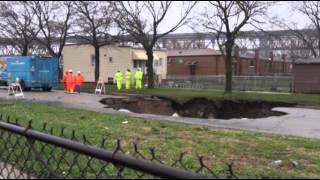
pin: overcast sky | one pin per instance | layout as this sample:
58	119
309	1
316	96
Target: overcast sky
282	9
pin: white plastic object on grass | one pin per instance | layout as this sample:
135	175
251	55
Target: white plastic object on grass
124	110
276	163
175	115
125	122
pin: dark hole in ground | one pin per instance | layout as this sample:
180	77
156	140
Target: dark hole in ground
197	107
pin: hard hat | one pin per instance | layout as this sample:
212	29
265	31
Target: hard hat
79	72
70	70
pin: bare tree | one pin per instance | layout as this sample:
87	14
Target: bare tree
311	9
16	23
304	42
92	25
225	19
54	21
309	36
132	19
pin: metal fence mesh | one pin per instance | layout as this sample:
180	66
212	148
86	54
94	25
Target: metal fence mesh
24	157
282	83
270	83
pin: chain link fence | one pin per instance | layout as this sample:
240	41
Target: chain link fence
269	83
29	154
282	83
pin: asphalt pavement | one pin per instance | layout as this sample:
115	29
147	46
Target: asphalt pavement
298	121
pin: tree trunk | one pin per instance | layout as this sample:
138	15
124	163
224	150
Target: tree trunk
228	61
60	69
315	54
24	50
150	69
97	63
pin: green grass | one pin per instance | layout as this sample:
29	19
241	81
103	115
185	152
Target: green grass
185	94
252	152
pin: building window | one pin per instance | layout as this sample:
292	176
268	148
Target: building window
137	63
251	63
93	62
110	60
169	61
160	62
180	61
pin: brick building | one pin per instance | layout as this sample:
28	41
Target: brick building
306	76
211	62
254	64
195	62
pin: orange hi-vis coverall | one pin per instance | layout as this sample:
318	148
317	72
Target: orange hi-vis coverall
70	83
65	81
79	80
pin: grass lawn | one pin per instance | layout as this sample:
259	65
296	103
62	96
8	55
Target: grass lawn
252	152
185	94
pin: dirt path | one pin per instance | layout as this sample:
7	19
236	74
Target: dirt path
298	122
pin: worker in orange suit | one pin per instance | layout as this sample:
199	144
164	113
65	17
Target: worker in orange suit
65	81
79	79
70	82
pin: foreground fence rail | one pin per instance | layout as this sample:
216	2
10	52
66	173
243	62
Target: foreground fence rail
29	154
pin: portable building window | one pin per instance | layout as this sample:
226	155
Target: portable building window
93	62
160	62
137	63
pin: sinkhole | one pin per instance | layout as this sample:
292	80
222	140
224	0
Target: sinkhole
197	107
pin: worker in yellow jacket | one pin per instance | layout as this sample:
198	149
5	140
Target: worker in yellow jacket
128	79
138	77
118	78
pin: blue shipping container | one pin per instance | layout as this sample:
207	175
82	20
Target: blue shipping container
35	72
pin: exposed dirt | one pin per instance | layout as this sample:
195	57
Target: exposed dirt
148	105
197	107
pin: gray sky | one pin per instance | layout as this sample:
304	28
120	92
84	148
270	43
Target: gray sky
282	9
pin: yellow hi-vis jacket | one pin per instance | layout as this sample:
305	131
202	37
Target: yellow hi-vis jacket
139	75
118	76
128	75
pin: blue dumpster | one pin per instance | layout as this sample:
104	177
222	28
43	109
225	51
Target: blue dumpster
33	72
